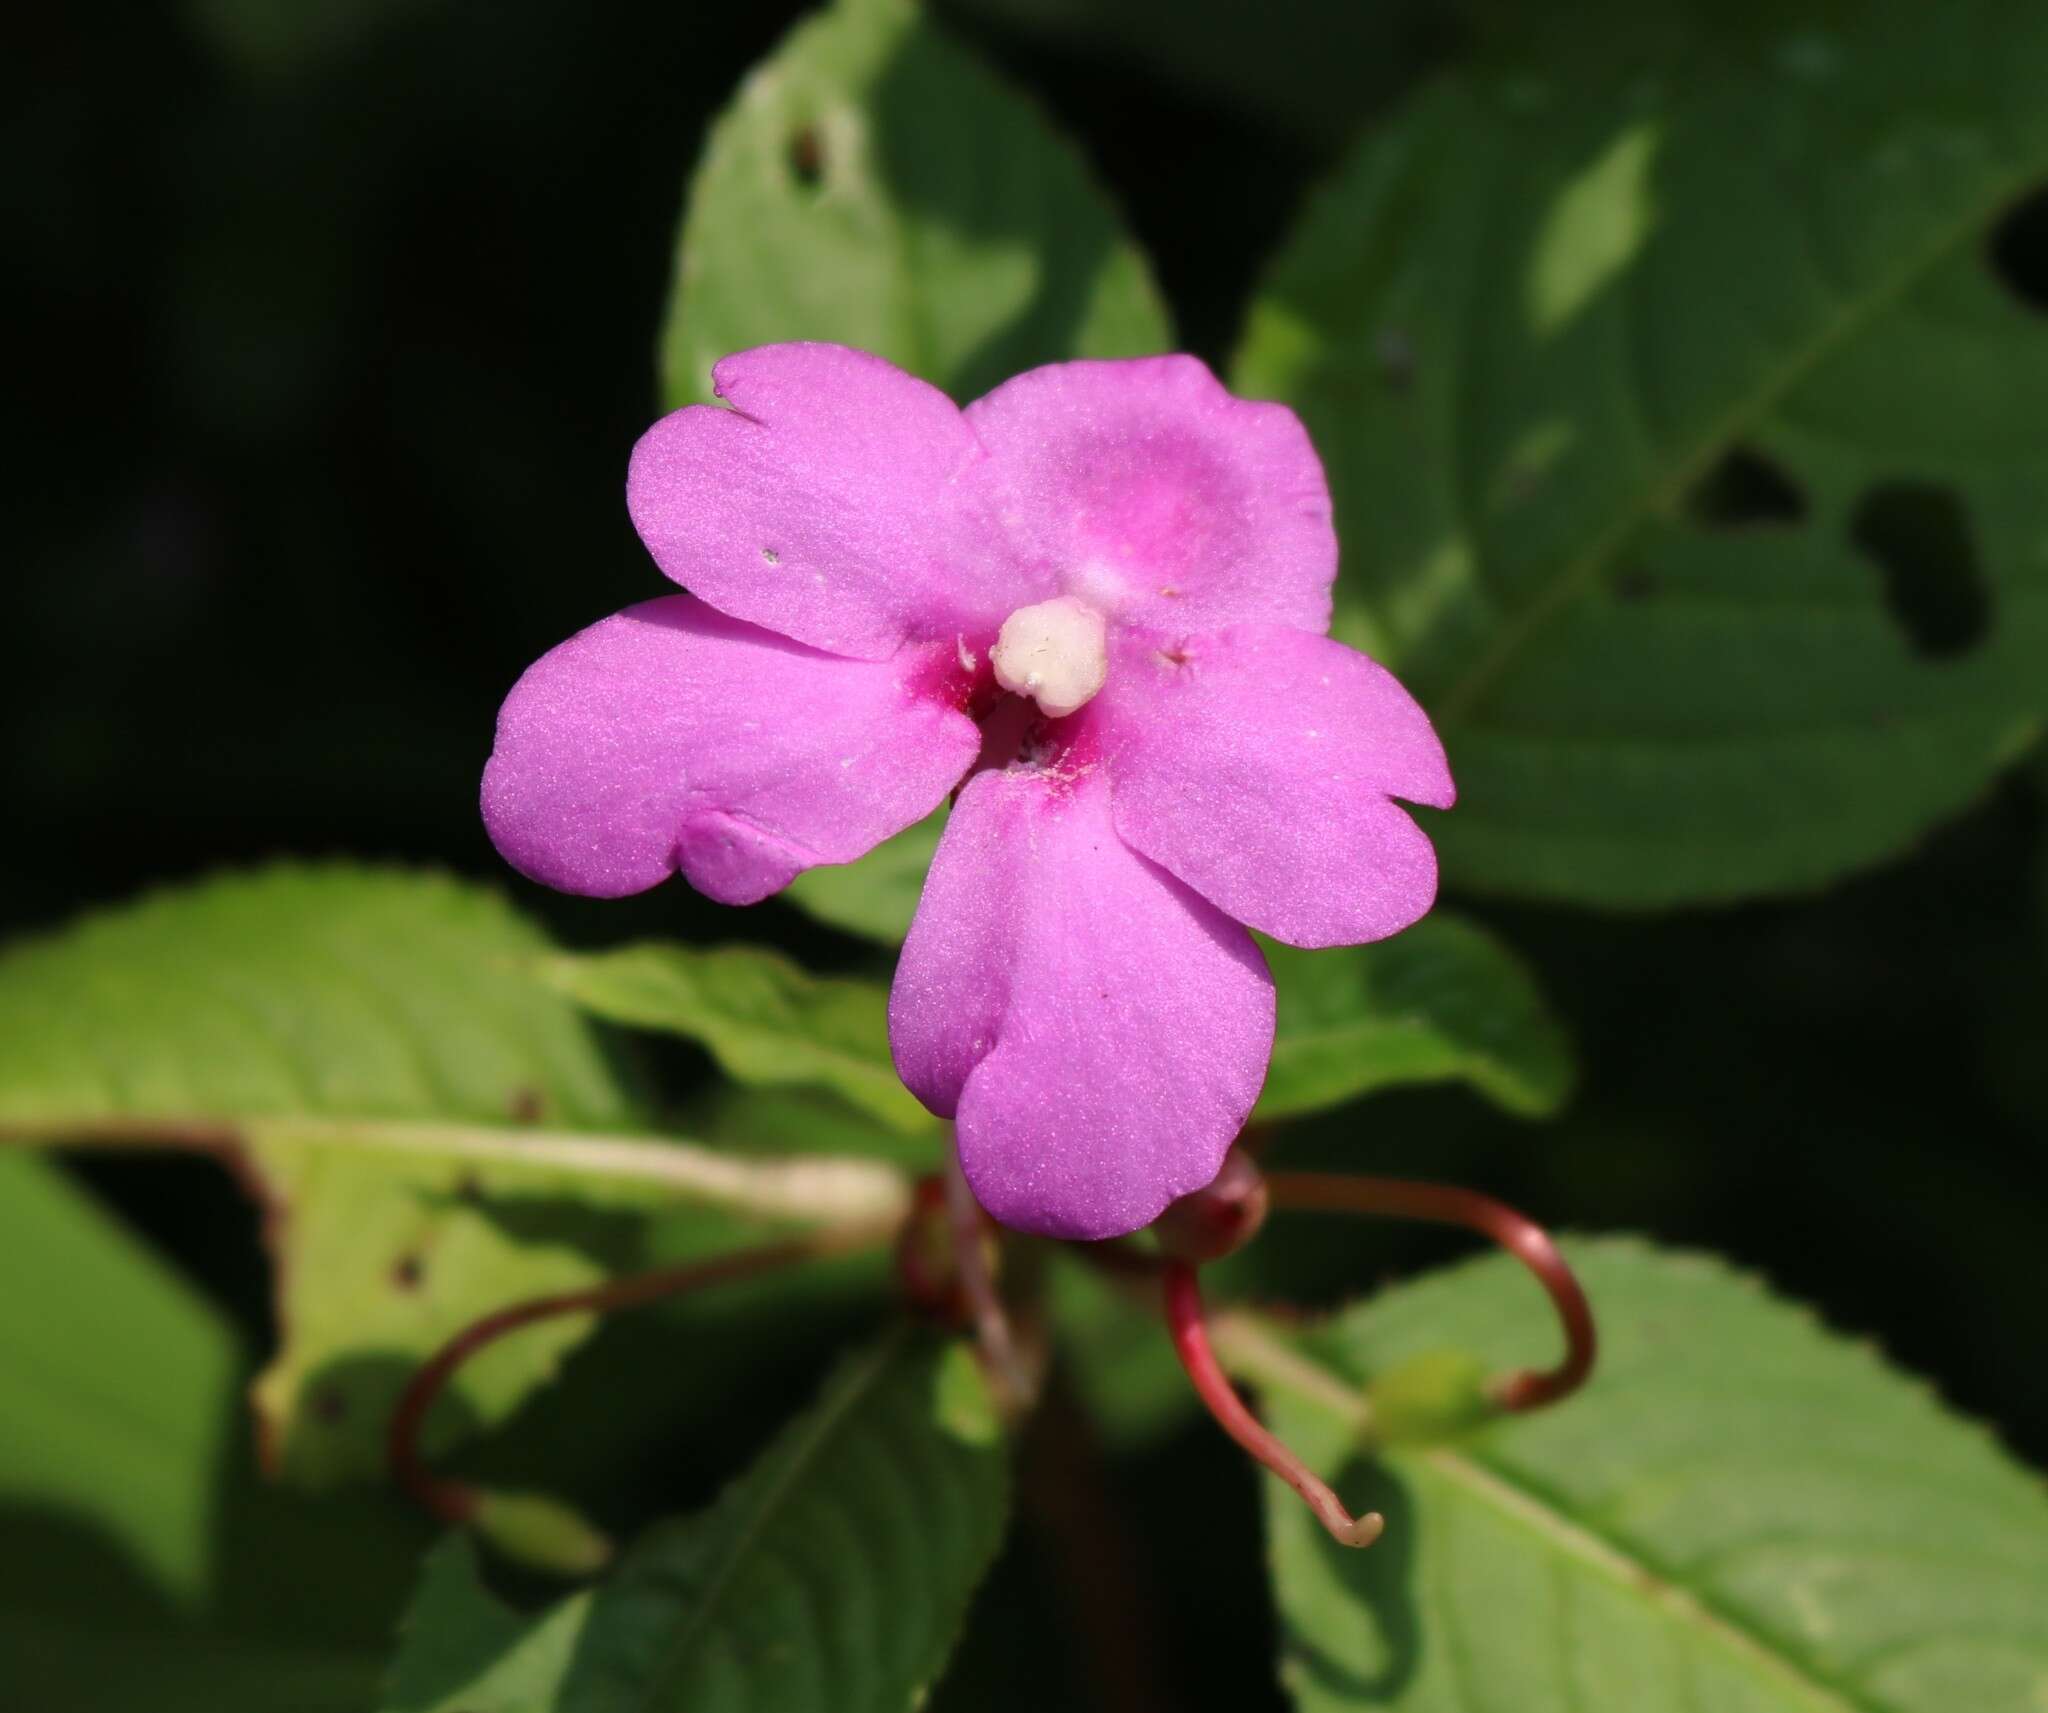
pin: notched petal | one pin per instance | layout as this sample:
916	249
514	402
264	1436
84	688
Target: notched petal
827	503
1260	764
670	736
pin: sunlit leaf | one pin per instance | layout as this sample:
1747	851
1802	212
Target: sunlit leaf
1743	1512
1443	1001
875	184
877	896
771	1121
431	1131
765	1019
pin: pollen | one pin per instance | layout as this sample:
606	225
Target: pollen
1056	652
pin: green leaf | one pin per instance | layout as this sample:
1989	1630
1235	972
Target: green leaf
1443	1001
876	896
876	185
130	1527
1304	68
381	1258
432	1133
119	1382
283	42
1684	449
766	1020
834	1575
784	1122
298	991
1742	1512
1115	1352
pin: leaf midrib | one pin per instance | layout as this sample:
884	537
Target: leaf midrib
1612	1559
1458	701
856	1387
798	1187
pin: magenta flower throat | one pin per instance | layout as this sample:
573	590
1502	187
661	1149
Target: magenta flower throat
1093	603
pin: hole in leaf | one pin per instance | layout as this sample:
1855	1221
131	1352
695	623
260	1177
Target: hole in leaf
807	158
1919	535
1743	490
407	1272
1396	354
1634	582
2019	250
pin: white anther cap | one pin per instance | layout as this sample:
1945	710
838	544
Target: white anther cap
1057	653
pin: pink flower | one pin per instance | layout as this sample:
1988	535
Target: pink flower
1098	597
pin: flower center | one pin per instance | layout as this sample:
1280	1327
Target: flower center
1057	653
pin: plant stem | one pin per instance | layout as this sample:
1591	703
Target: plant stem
1191	1343
810	1190
1520	1236
456	1502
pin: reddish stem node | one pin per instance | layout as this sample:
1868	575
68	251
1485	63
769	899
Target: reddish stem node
1190	1331
1010	1376
925	1268
1520	1236
1219	1219
456	1501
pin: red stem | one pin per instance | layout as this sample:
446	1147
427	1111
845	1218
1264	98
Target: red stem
1191	1343
1001	1360
1520	1236
456	1501
924	1254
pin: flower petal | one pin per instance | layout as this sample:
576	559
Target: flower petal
1146	488
1097	1031
671	736
829	504
1257	764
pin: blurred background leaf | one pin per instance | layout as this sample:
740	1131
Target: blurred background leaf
1681	423
1304	67
877	896
144	1566
120	1406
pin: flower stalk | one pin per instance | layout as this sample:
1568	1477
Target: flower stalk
1520	1236
1186	1322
